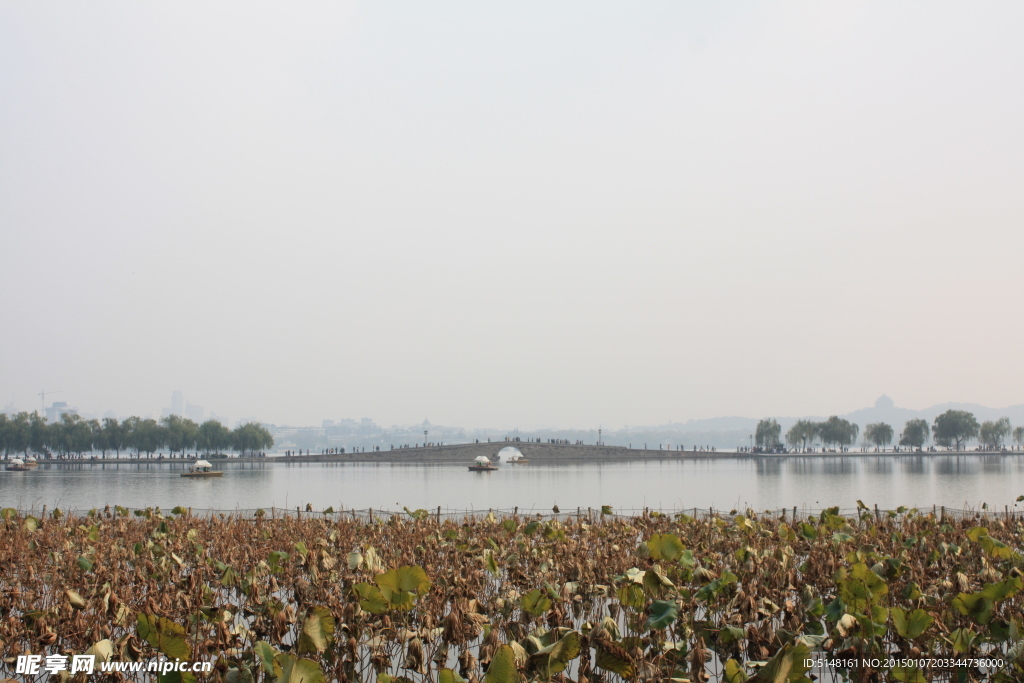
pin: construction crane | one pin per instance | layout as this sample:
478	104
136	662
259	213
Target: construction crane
42	397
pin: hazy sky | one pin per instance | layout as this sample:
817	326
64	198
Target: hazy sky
531	214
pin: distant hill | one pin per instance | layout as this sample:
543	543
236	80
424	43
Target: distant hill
724	433
727	432
885	411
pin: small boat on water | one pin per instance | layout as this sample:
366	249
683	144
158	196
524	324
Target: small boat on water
517	459
202	469
482	464
17	465
31	462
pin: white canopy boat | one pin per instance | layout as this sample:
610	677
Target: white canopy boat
202	468
482	464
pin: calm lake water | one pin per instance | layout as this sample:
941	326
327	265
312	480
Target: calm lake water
956	481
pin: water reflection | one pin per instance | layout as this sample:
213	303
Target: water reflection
915	465
770	467
881	466
956	465
992	463
668	484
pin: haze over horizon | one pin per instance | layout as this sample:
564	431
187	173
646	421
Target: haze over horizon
884	409
531	215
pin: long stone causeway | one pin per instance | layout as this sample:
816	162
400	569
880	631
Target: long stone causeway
467	452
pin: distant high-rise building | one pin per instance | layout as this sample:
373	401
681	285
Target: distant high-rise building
177	402
194	412
57	409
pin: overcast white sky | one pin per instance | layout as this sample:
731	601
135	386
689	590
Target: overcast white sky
534	214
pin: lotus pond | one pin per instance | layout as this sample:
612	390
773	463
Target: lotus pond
904	595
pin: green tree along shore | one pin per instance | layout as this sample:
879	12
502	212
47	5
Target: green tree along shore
950	430
72	437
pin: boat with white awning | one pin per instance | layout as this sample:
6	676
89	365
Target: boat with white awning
482	464
202	469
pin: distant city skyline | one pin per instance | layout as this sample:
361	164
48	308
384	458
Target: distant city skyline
884	409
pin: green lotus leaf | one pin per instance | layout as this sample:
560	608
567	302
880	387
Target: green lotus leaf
449	676
567	648
490	563
276	560
1001	590
655	583
163	634
962	639
911	625
611	657
997	549
370	598
975	605
503	667
404	580
1002	631
787	666
665	547
298	670
632	595
535	603
662	614
731	634
734	672
554	658
317	631
264	654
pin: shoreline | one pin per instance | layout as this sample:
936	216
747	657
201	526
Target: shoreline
537	453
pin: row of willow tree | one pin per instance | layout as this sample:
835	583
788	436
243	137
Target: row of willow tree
952	429
73	436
